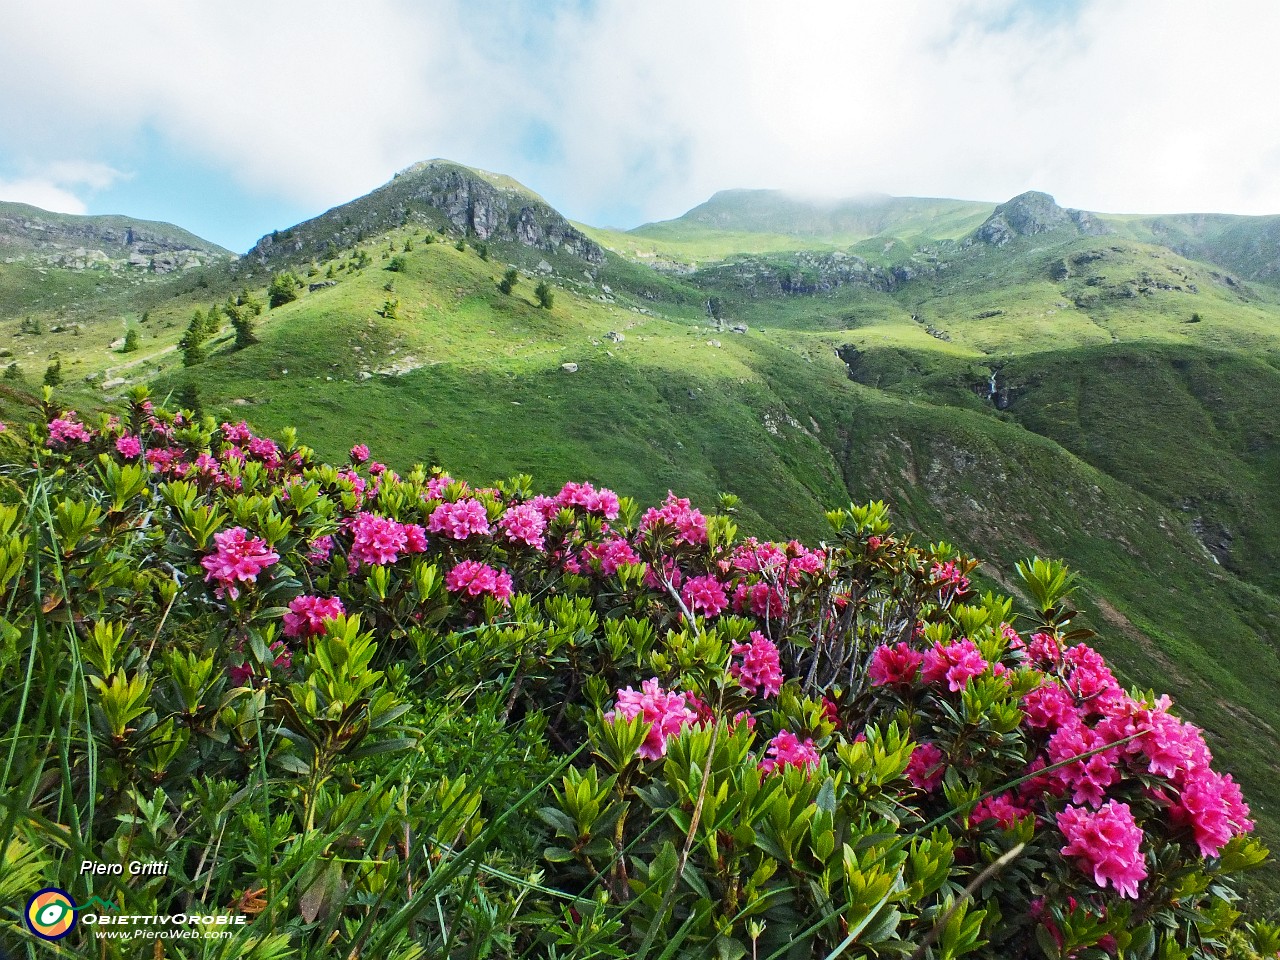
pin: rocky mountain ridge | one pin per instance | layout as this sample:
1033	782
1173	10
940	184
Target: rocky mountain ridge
440	195
29	234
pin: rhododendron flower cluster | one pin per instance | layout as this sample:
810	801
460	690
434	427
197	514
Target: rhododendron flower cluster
926	767
1107	845
584	495
307	615
378	540
472	578
666	713
704	595
898	665
129	446
524	523
760	670
690	525
787	750
948	576
66	430
953	662
460	520
238	559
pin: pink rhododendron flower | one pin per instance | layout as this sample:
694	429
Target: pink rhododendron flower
894	666
1044	650
473	578
949	578
415	538
1011	637
926	767
1088	676
704	595
525	524
690	525
321	547
1213	806
602	502
1003	808
66	430
238	559
129	446
307	615
610	554
765	600
1049	706
236	433
376	540
954	662
359	453
459	520
1106	844
666	713
1087	779
786	750
760	671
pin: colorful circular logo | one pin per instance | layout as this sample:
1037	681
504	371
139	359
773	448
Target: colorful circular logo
51	914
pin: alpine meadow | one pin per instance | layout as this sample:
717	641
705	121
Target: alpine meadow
884	577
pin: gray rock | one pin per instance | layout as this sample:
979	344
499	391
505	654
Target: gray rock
569	367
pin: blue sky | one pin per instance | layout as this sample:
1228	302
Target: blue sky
235	118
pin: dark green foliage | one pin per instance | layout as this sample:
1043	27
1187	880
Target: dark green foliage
193	341
130	341
545	294
31	325
283	289
13	373
189	398
509	280
397	264
483	250
53	374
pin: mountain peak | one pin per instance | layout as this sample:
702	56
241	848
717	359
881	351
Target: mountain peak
1032	213
440	194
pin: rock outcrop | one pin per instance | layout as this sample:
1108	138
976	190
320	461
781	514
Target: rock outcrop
437	194
1032	213
82	243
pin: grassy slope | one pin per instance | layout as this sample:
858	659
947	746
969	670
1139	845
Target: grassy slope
1089	462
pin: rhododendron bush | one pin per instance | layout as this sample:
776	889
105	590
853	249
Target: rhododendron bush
408	716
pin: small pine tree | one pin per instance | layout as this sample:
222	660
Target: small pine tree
32	325
483	250
146	316
53	374
13	373
408	246
429	238
546	296
397	264
283	289
460	245
192	342
330	273
189	399
509	280
390	309
130	341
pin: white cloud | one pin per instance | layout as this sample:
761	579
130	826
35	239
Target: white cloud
59	186
1133	105
42	194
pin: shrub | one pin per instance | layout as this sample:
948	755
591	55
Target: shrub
509	280
546	296
130	341
53	374
417	717
283	289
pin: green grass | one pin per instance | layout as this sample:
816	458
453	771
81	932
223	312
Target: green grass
1128	420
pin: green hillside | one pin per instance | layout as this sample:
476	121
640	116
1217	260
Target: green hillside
1019	380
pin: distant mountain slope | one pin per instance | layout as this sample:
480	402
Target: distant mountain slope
836	221
436	194
61	239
